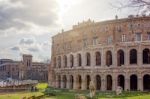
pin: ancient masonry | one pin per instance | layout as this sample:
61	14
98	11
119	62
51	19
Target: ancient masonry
110	53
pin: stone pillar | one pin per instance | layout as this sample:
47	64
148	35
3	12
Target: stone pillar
75	82
93	79
83	87
140	83
114	60
103	83
114	83
68	61
75	60
56	62
127	57
139	56
127	83
103	58
83	59
56	82
62	62
93	61
62	83
68	82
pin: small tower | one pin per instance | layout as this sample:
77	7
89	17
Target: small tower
27	60
27	66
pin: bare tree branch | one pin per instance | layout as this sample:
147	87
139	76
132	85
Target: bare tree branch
142	6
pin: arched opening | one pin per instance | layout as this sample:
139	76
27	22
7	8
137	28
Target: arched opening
71	61
98	58
79	81
79	60
71	82
121	81
88	79
133	56
59	62
65	61
54	62
109	82
120	57
64	81
146	82
133	82
88	59
146	56
98	82
59	81
108	58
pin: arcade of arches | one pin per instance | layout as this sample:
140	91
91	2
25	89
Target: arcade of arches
125	68
104	83
108	60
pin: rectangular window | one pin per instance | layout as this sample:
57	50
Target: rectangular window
123	38
109	40
148	36
138	37
95	40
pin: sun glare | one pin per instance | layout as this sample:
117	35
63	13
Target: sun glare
65	5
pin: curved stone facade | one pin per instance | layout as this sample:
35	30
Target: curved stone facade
110	53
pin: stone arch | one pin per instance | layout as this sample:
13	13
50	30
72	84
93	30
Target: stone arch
120	57
133	56
146	56
59	81
98	82
121	81
108	58
65	61
88	59
64	81
59	61
71	60
146	82
98	58
88	79
109	82
79	58
79	81
133	82
71	81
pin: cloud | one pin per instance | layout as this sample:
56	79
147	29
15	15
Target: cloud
27	41
27	15
33	49
30	45
16	48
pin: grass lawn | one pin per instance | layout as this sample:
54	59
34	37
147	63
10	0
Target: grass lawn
104	95
65	94
19	95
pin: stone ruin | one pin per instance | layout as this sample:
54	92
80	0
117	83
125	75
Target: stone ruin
119	90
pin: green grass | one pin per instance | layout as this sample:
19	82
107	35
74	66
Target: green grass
69	94
42	86
19	95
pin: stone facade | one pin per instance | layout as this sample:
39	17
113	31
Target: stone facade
111	53
25	69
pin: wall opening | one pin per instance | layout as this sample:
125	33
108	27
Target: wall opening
133	56
108	58
120	58
98	59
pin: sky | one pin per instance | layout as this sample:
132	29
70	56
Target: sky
26	26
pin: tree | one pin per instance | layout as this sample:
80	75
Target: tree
142	6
